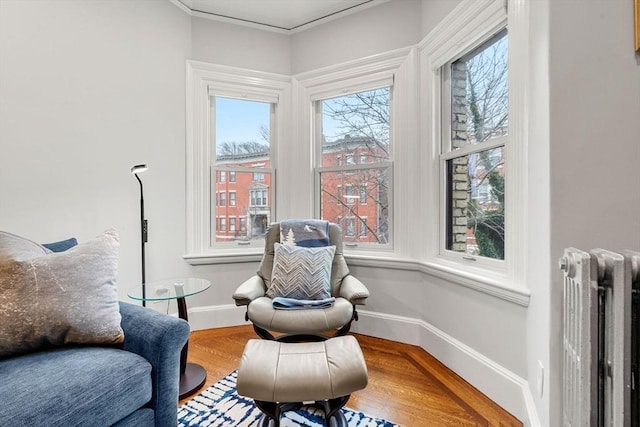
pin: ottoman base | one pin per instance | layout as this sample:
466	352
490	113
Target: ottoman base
333	416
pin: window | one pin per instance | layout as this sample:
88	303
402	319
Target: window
232	176
232	224
363	227
222	199
475	122
474	75
223	176
354	127
350	194
232	198
223	224
350	226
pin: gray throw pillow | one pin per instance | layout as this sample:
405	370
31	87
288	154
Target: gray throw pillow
58	298
301	273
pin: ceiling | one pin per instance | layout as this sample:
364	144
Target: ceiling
283	16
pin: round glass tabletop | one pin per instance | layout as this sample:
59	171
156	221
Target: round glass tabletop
168	289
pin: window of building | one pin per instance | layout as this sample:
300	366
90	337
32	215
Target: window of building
232	176
222	199
223	176
363	193
232	198
350	226
357	122
223	224
363	226
232	224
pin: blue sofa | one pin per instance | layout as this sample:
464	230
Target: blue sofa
131	384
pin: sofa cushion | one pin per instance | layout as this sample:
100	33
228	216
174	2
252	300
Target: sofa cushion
73	386
301	272
58	298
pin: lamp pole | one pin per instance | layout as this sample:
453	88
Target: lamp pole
135	170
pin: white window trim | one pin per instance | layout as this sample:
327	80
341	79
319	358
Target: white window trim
230	80
356	76
464	28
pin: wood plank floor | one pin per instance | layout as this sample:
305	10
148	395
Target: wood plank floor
407	386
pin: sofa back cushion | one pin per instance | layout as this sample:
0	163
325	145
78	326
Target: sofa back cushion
58	298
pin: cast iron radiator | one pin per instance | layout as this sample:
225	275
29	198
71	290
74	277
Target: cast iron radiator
601	343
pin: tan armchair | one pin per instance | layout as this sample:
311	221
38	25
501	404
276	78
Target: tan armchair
306	323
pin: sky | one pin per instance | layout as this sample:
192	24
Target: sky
240	120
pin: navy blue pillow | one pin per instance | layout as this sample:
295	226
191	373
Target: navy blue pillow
62	245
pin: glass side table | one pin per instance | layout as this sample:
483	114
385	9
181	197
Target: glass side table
192	375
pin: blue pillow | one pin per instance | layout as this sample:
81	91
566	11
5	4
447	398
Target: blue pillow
62	245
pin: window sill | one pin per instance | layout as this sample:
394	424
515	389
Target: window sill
222	258
490	286
480	283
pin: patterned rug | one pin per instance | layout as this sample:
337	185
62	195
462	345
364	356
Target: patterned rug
220	405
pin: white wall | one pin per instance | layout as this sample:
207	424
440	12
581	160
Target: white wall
240	46
379	29
540	267
87	90
594	143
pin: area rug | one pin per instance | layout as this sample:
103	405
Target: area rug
220	405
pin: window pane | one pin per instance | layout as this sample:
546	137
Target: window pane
242	131
479	94
356	128
248	200
337	205
242	140
475	196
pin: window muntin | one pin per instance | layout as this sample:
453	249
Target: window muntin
242	146
353	139
475	107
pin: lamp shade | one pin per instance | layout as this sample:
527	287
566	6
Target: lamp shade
136	169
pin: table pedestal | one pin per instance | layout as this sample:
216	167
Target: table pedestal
192	375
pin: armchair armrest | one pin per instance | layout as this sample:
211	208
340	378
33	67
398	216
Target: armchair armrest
354	290
159	338
251	289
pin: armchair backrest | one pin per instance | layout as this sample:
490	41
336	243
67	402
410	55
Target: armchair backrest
339	267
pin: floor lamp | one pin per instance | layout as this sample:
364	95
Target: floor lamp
135	170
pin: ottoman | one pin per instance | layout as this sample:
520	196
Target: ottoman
279	376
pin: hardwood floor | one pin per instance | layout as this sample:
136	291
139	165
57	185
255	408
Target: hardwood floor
407	386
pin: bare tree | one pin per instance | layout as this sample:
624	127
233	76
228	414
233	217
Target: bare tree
237	148
361	136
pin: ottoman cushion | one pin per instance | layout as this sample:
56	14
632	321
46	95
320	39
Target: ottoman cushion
273	371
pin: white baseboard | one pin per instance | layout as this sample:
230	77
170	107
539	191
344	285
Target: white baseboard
507	389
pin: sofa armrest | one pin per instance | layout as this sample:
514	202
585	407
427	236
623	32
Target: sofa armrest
249	290
354	290
159	338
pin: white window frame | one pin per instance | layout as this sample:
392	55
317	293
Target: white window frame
202	80
466	27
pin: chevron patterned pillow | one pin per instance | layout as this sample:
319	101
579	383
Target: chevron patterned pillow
301	273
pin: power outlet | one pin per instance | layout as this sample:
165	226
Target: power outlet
540	379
